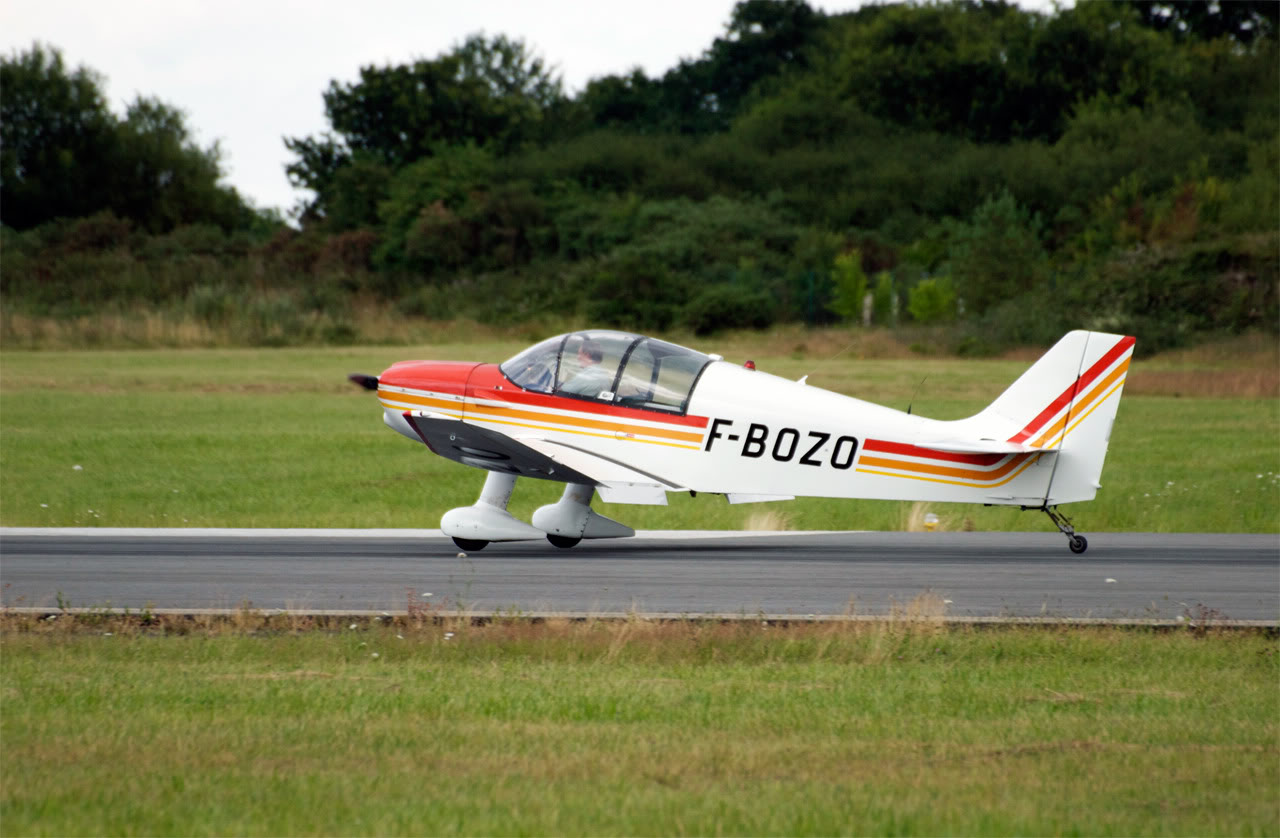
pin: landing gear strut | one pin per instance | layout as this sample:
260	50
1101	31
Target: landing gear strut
473	527
572	519
1077	543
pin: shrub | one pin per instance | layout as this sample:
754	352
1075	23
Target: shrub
997	256
635	291
885	300
932	300
727	306
850	286
212	304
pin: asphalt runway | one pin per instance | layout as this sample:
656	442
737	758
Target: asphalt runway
978	575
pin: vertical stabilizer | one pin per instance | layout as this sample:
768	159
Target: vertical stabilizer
1067	403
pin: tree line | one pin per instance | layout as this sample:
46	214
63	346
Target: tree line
1010	172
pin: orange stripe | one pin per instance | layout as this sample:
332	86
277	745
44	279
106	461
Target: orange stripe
1008	479
1075	425
947	471
549	418
1085	415
664	433
1125	344
589	433
1080	405
426	401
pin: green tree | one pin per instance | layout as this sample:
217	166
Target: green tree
420	216
998	254
65	155
885	300
850	287
762	40
491	92
56	134
1243	21
989	71
162	179
932	300
632	101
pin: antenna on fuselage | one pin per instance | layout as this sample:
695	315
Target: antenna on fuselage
916	393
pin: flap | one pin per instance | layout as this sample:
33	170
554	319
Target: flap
639	493
604	471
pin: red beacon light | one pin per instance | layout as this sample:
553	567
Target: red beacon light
750	365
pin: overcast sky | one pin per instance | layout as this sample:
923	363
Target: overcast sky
248	73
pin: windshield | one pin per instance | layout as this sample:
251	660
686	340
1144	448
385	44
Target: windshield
535	368
614	367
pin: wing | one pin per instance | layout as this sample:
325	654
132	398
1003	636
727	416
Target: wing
533	456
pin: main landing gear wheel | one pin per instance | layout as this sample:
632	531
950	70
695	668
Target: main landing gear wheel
470	543
562	541
1078	544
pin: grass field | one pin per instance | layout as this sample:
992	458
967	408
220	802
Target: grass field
635	728
283	726
278	438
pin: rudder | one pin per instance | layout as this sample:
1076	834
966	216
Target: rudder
1066	402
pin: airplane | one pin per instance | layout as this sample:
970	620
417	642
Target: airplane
632	418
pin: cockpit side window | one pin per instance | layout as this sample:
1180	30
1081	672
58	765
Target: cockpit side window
660	376
535	368
589	364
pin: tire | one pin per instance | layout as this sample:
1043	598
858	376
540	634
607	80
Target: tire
470	543
1078	544
562	541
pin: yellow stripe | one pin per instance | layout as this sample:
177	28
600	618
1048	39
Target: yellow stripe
1080	405
951	471
423	401
1085	415
570	431
550	418
453	411
1008	479
1074	425
589	433
513	413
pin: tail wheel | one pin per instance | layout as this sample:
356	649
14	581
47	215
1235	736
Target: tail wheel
1078	543
470	543
562	541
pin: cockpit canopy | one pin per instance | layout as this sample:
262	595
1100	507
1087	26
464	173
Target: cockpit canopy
614	367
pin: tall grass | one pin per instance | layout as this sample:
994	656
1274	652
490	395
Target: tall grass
634	727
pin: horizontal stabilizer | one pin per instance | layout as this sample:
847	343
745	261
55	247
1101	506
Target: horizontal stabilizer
981	446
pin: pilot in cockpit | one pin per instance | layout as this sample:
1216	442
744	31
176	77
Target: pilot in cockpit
591	378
